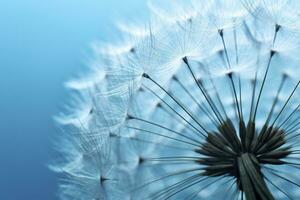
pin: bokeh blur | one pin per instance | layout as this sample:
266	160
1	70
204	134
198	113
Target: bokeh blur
43	44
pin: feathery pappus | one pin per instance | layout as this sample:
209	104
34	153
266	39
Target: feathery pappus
203	103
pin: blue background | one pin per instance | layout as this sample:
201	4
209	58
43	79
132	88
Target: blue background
43	44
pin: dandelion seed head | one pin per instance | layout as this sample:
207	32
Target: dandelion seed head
201	103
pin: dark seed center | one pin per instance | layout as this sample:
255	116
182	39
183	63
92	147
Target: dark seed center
242	156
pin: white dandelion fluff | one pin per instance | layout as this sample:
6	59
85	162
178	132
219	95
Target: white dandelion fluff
201	104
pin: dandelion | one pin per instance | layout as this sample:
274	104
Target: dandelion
201	104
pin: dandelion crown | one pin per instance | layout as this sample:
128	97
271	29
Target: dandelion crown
201	104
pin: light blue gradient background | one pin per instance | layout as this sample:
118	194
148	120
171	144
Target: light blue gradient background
43	44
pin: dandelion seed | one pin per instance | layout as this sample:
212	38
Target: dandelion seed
206	106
